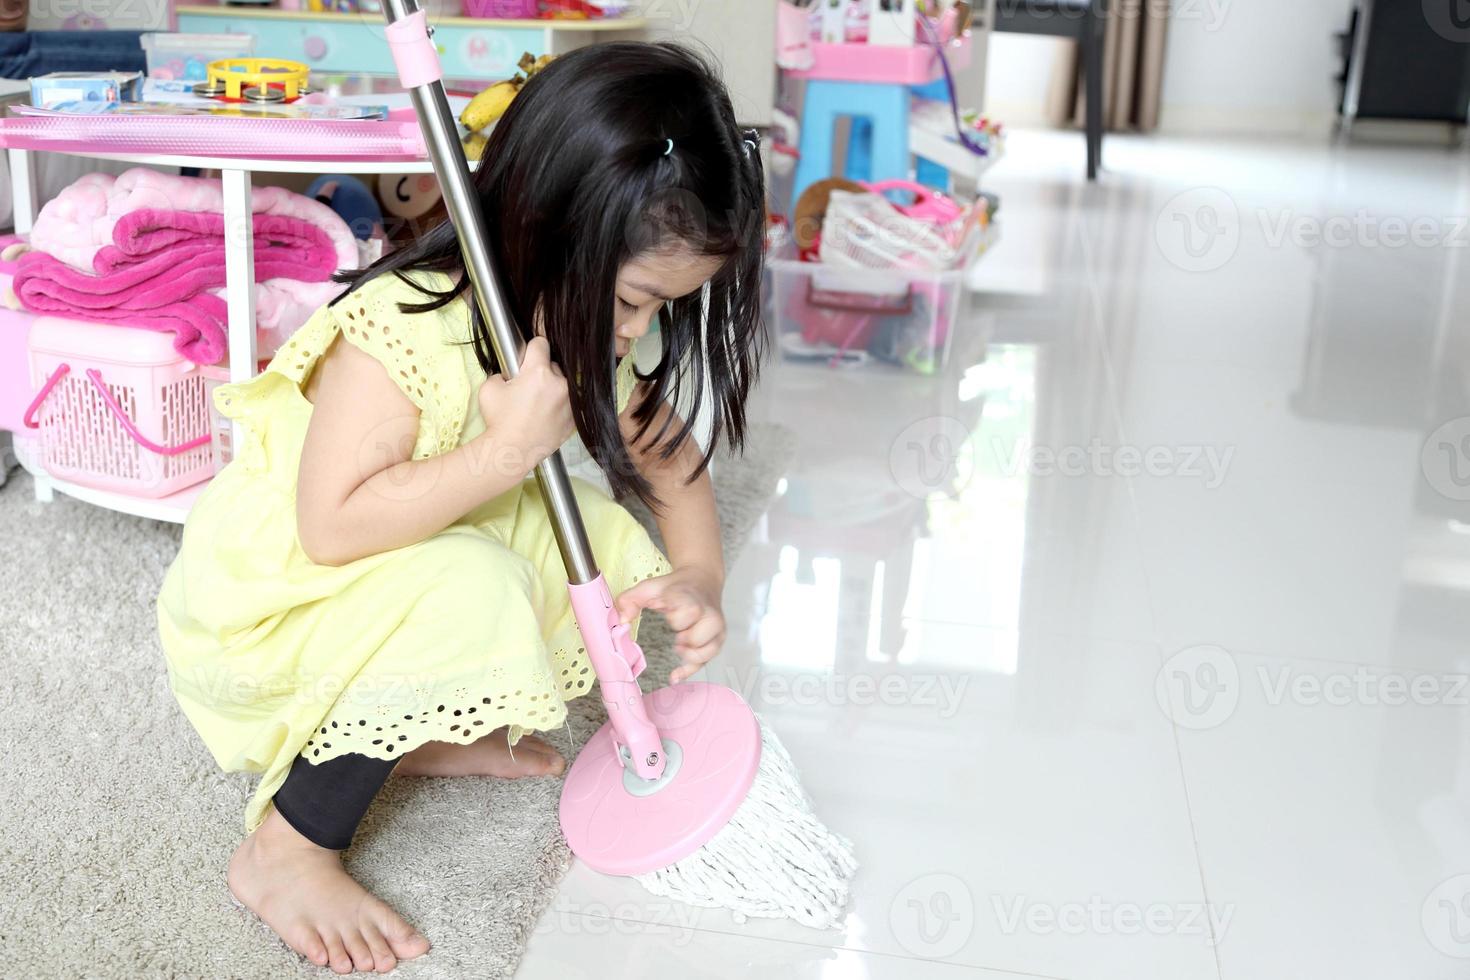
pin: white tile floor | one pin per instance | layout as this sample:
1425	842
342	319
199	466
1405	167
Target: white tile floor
1197	711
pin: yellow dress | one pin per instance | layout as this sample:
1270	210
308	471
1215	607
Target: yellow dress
271	655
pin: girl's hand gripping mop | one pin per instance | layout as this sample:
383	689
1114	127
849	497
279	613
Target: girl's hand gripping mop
685	789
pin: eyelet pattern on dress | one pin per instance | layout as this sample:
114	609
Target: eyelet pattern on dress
536	703
430	373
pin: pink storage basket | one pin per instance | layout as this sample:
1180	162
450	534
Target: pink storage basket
15	381
502	9
117	409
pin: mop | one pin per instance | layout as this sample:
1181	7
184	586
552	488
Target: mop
684	790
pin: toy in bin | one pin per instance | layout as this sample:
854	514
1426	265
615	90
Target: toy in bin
117	408
186	57
85	86
845	323
930	233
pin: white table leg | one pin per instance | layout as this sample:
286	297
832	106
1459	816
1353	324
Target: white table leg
22	190
239	278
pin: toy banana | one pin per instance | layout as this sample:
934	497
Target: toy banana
491	104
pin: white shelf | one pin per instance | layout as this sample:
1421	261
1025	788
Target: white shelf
240	292
949	153
261	166
173	508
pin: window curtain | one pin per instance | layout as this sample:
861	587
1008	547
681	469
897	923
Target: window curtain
1133	70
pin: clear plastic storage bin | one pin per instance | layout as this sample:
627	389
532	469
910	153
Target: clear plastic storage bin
837	315
185	57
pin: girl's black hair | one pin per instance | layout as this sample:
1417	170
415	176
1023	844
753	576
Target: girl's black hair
576	179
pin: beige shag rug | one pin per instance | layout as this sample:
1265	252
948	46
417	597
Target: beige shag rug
115	822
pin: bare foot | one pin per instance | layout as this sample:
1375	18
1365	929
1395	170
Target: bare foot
486	756
301	891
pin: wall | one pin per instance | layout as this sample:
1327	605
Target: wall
741	34
1018	71
1230	66
1253	65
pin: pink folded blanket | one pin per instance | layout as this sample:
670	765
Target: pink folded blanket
160	272
305	251
81	221
198	324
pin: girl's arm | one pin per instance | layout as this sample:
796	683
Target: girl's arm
689	597
360	493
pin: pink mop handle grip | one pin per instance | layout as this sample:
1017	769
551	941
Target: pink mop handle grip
618	661
414	54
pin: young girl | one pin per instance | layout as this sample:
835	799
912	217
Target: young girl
373	582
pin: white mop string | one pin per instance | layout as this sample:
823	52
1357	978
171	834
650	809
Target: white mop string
773	859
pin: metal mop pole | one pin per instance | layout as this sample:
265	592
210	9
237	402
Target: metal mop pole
441	134
616	659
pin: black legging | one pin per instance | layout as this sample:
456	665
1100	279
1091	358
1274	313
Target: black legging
326	802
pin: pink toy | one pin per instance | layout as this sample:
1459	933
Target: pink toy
793	37
117	409
893	64
927	205
878	45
